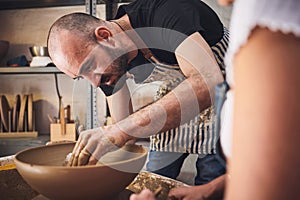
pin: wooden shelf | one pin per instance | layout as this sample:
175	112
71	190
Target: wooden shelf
18	134
21	4
29	70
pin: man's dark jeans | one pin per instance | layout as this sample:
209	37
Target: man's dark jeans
169	164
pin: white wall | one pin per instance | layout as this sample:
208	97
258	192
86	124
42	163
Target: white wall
223	12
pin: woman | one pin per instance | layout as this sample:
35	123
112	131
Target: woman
264	58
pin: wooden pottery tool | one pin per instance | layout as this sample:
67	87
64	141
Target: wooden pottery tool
62	121
30	112
16	110
68	113
4	111
22	113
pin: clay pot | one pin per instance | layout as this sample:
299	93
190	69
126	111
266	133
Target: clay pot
42	168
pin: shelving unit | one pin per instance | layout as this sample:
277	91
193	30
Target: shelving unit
90	5
26	70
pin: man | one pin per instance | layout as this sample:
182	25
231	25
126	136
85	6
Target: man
180	36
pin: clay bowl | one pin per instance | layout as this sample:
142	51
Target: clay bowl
42	168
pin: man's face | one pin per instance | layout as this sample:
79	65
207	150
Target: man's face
97	64
103	66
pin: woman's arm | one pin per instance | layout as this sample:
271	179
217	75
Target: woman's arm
265	162
211	190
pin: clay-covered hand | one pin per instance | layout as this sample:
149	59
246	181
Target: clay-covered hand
144	195
94	143
200	192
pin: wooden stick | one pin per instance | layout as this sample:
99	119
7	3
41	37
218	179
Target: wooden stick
62	121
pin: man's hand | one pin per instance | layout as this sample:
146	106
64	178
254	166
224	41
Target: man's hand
94	143
144	195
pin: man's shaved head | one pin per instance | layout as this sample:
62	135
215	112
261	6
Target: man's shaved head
81	24
70	37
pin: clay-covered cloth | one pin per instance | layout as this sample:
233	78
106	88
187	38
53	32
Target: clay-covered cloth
198	135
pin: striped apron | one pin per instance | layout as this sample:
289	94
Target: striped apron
198	136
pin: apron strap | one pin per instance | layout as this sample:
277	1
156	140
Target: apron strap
140	43
134	37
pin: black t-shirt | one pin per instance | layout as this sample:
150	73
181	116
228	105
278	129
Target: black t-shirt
184	16
171	22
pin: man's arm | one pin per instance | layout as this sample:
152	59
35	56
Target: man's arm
185	101
177	107
119	104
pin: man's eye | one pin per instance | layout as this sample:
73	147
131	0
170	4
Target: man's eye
105	78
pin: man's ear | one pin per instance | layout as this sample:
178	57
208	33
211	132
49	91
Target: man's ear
102	33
